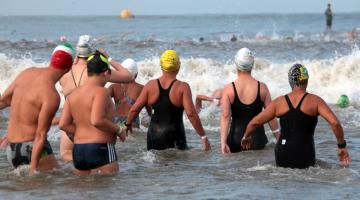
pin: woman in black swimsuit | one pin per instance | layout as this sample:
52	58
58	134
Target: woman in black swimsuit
298	112
242	100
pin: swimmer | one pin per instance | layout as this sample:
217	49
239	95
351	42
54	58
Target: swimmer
241	101
215	99
34	102
168	98
353	34
125	94
329	17
298	112
233	38
88	114
77	77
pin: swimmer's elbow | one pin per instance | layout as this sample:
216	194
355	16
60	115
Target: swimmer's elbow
192	114
225	115
254	123
96	122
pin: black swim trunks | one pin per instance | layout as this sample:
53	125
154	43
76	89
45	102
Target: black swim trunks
20	153
92	156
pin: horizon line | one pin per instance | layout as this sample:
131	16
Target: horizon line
183	14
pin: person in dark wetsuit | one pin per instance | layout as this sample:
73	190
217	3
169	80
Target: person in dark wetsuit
168	98
242	100
298	113
329	17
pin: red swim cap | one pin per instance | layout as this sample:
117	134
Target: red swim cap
62	57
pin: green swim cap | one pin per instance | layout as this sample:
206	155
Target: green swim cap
343	101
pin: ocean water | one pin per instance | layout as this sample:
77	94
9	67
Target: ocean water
333	61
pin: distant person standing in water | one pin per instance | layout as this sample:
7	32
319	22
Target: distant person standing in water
298	112
329	17
168	98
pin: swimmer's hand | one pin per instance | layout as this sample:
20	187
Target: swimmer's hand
33	172
344	157
103	52
122	134
206	143
246	143
225	149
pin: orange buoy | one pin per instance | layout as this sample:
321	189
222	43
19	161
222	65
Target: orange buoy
126	13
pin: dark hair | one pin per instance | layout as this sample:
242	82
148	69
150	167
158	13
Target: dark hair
97	64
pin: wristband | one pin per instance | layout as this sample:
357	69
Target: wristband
109	59
342	146
118	133
276	131
203	137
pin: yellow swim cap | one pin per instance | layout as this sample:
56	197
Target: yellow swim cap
170	61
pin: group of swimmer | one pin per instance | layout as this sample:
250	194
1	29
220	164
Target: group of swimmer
91	122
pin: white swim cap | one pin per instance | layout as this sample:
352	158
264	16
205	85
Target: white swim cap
131	66
244	59
83	47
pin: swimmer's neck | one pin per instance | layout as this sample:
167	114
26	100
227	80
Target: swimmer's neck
54	74
96	80
169	75
241	74
82	61
298	90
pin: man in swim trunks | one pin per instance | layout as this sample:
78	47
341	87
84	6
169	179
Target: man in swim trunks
125	94
88	113
77	76
168	98
215	98
298	112
329	16
242	100
34	101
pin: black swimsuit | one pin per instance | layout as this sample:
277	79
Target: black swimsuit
242	114
166	128
295	148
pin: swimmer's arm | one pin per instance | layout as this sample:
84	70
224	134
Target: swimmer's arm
46	114
274	126
199	99
191	112
98	113
120	75
193	116
66	122
329	116
225	117
55	121
265	116
140	102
